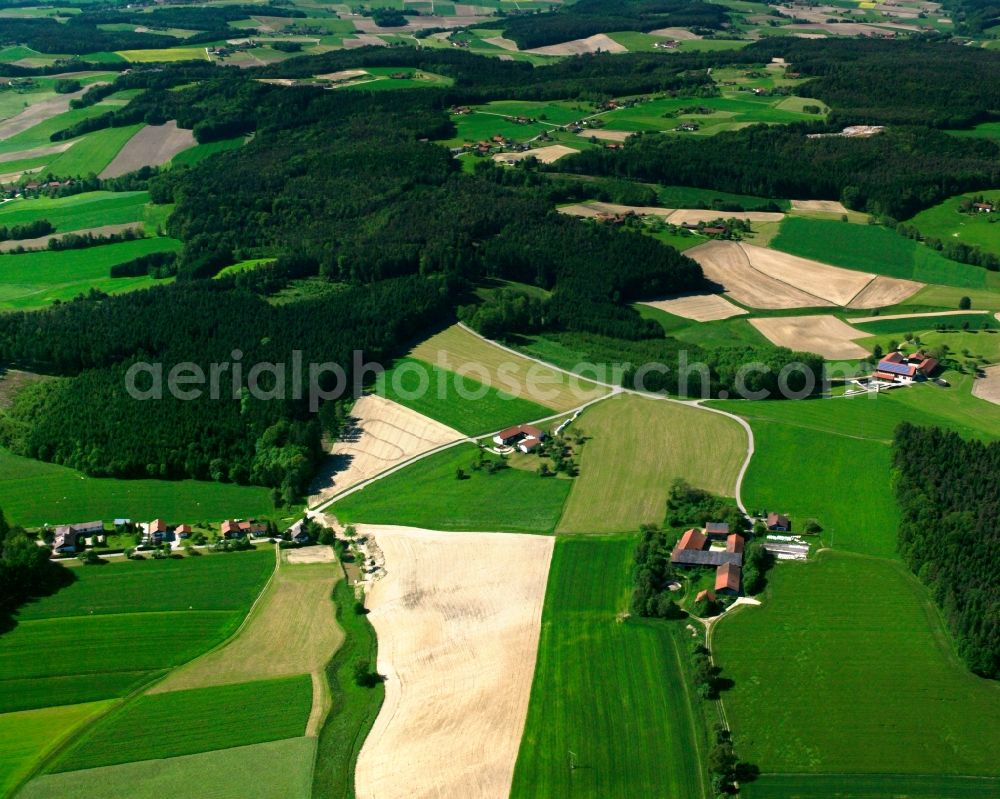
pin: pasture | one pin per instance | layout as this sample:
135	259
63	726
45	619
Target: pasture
428	494
27	736
78	211
187	722
612	692
164	55
637	447
223	774
459	350
945	222
291	631
92	153
871	248
33	493
34	279
847	668
455	400
869	786
199	152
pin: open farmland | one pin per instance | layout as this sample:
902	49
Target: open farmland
872	248
154	145
223	774
457	648
612	692
382	434
37	113
599	43
290	631
870	786
35	279
119	629
427	494
33	493
27	736
461	351
93	152
637	447
816	691
545	155
78	211
699	307
822	334
465	402
945	222
187	722
988	387
199	152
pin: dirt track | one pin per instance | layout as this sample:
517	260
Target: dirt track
384	433
699	307
823	334
153	145
599	43
458	618
988	388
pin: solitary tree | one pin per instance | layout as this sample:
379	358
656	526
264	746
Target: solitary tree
965	303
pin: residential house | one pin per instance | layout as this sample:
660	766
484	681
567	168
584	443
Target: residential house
67	540
89	528
692	550
259	530
183	531
230	528
735	543
778	523
983	208
525	437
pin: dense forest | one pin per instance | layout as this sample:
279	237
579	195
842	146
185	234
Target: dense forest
25	571
949	492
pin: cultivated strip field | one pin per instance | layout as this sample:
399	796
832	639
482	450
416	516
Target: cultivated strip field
826	206
606	135
838	286
699	307
638	447
291	631
461	351
594	207
545	155
885	291
383	434
861	320
599	43
824	335
457	617
39	112
37	152
154	145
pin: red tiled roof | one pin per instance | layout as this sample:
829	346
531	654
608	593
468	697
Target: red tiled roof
229	526
692	539
727	576
157	526
893	357
929	366
777	518
706	594
734	543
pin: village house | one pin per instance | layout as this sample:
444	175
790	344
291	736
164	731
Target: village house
183	531
230	528
894	367
983	208
525	437
691	551
717	530
727	579
778	523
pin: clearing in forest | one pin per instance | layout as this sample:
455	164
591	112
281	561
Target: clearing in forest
599	43
637	446
457	617
380	435
154	145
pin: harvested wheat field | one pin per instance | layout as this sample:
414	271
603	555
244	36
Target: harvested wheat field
154	145
311	554
988	388
884	291
725	263
694	216
42	242
382	434
459	350
823	335
545	155
364	40
699	307
599	43
826	206
594	208
344	74
502	43
831	283
290	631
606	135
458	618
679	34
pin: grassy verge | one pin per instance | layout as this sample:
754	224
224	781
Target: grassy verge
354	707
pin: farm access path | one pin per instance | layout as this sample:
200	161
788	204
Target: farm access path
613	390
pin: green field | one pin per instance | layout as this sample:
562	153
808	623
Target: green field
868	786
199	152
34	279
38	135
985	130
455	400
613	693
27	736
637	448
188	722
944	222
847	668
168	54
871	248
107	633
78	211
918	325
237	773
33	493
427	494
92	153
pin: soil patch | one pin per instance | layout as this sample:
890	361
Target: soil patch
884	291
600	43
988	388
824	335
154	145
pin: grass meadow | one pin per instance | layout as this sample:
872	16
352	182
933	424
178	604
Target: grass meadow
613	693
92	153
637	447
921	325
78	211
27	736
187	722
34	279
943	221
869	786
39	135
200	152
847	668
871	248
235	773
458	401
428	494
164	55
33	493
